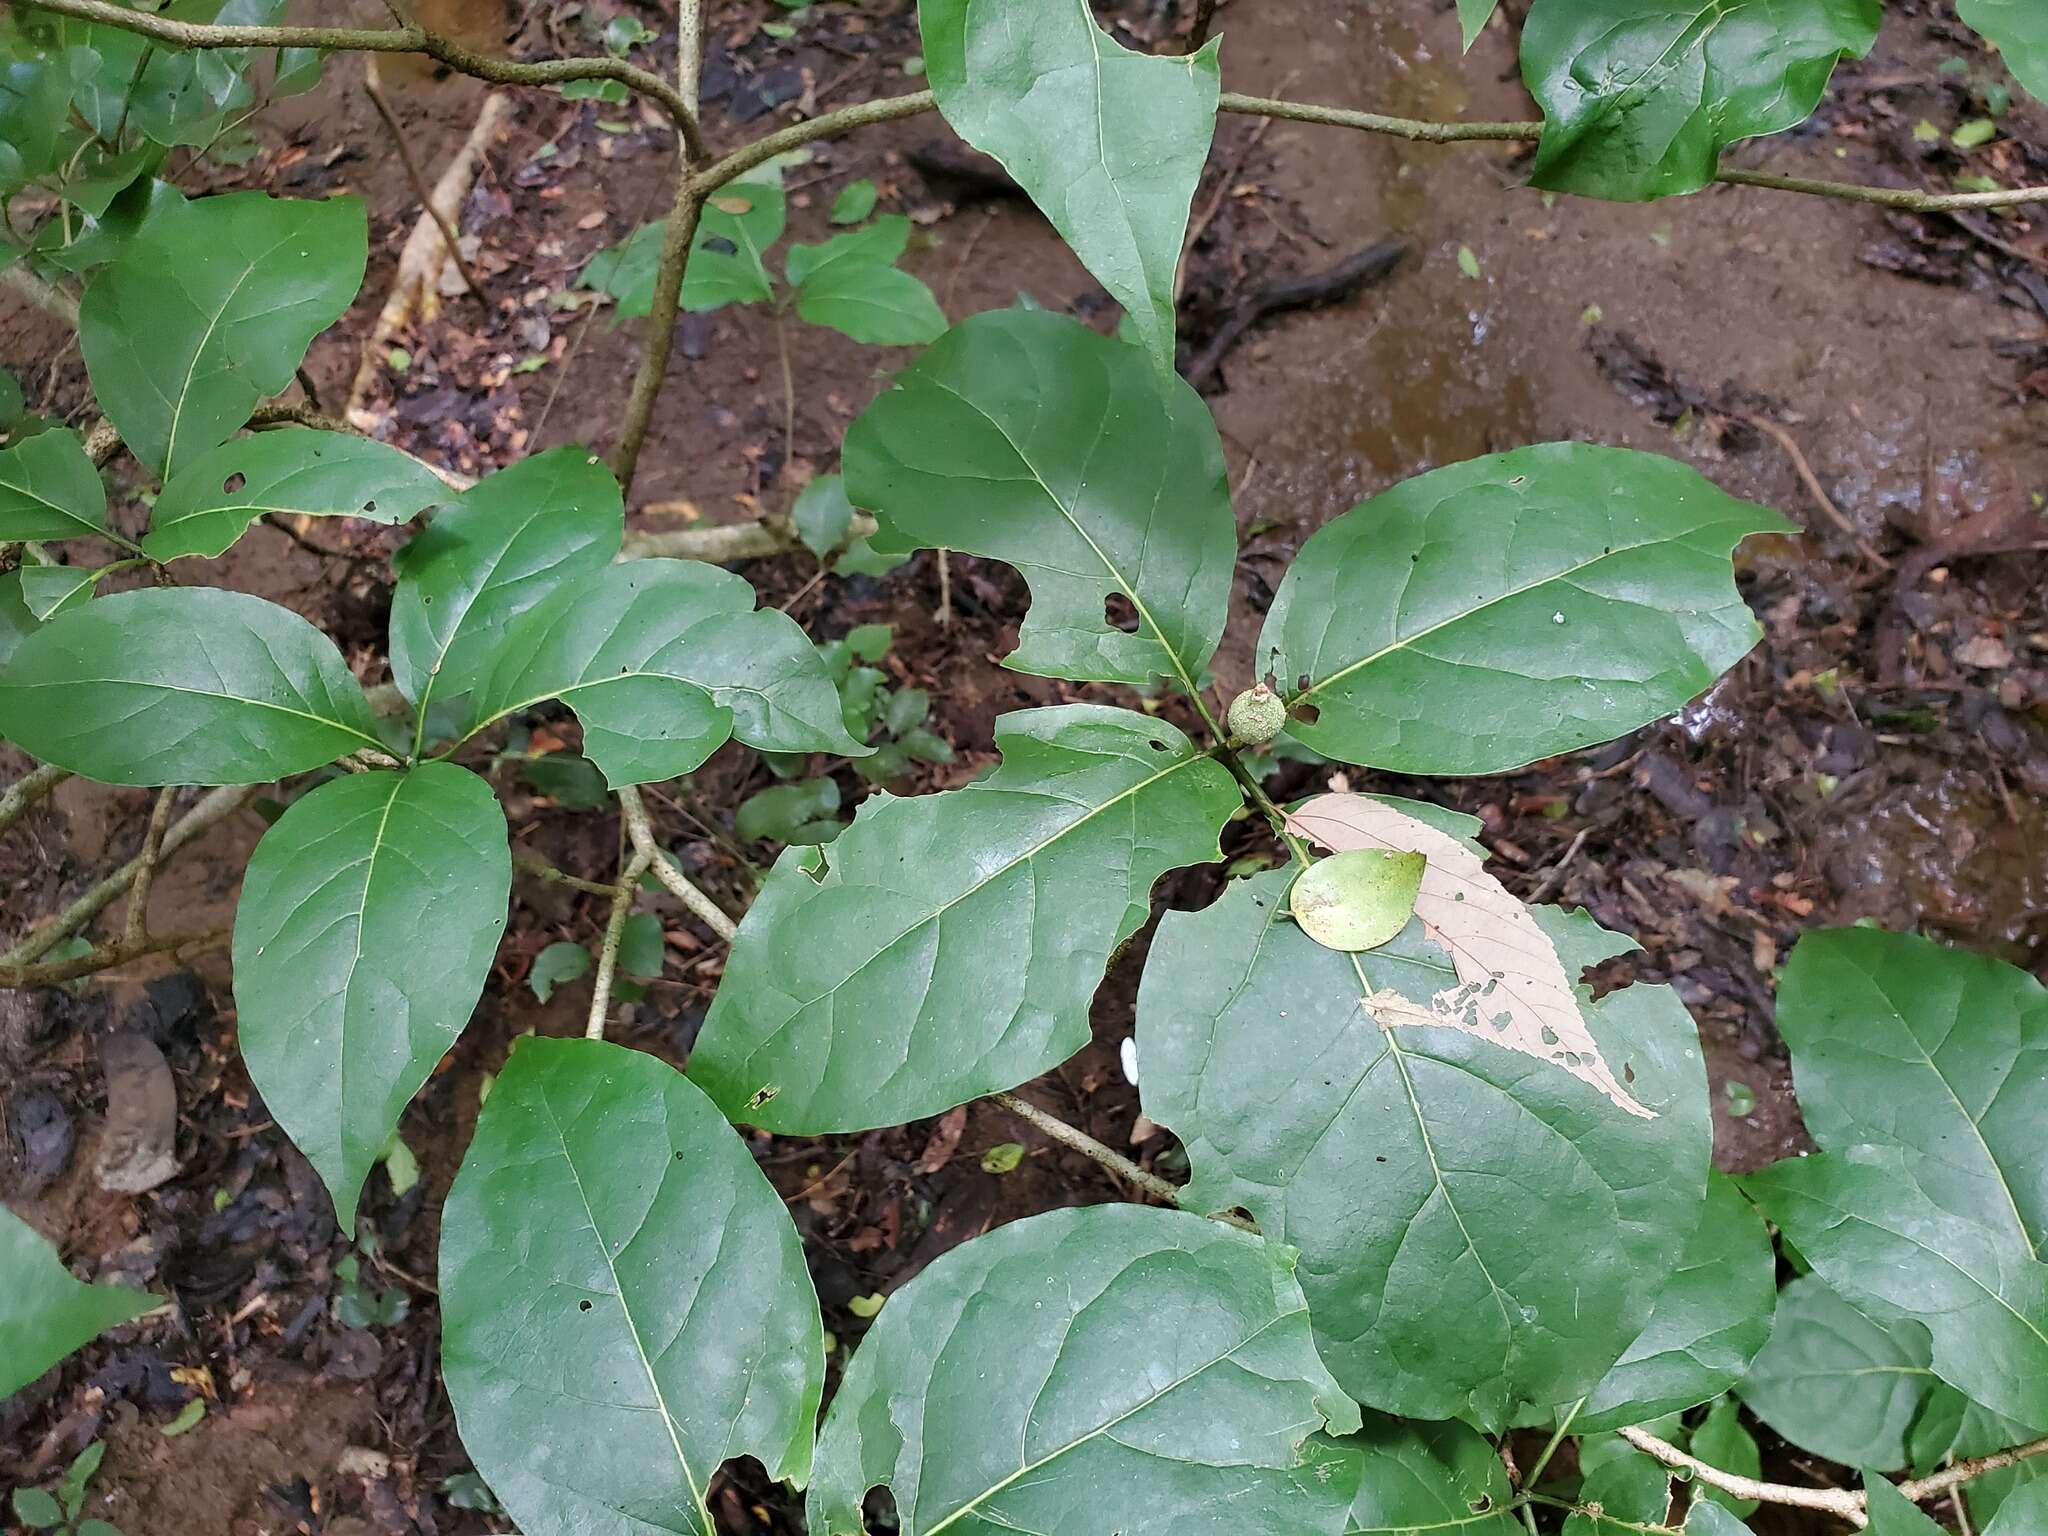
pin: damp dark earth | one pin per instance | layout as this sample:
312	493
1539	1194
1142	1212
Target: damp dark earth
1355	310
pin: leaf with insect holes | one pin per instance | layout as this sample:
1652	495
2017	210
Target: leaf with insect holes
861	989
182	685
1119	1368
50	489
298	472
1427	1477
493	553
1482	1230
1884	1241
1026	437
340	1019
209	308
625	1305
44	1313
1639	100
1108	143
1484	615
1710	1318
663	662
2019	30
1512	989
851	284
728	258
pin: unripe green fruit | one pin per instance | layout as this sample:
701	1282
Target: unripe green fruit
1256	715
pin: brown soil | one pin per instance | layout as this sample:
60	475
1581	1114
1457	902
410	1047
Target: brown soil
1881	755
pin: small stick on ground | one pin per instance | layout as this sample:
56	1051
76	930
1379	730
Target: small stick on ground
1811	481
1081	1142
373	87
614	935
944	615
27	790
136	929
641	831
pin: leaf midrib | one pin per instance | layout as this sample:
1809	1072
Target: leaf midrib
202	693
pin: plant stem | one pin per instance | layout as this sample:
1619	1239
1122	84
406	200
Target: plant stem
27	790
1556	1439
614	934
136	928
788	391
1081	1142
526	862
1416	130
1910	199
373	89
641	831
184	34
107	956
1920	1489
1839	1502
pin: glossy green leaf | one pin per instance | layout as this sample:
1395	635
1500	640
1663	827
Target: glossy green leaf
1706	1518
342	1013
49	489
1835	1383
1109	143
1722	1441
624	1299
496	552
863	990
856	200
51	589
663	661
1876	1234
1473	15
851	284
728	259
1481	616
789	813
1710	1319
1026	437
2019	30
1480	1231
1901	1042
1356	900
17	623
1639	99
559	962
44	1313
182	685
2024	1513
297	472
209	308
1630	1489
1427	1477
1891	1512
1121	1368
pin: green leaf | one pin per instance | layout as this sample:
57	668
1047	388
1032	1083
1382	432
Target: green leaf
1891	1512
625	272
1707	1518
50	489
1882	1240
1026	437
51	589
297	472
1357	900
96	1528
2024	1513
44	1313
1490	613
641	951
728	256
209	308
850	283
624	1299
36	1509
822	515
1709	1320
560	962
342	1018
663	660
1426	1173
182	685
1121	1368
1639	100
494	553
613	91
856	200
1722	1442
567	778
1631	1489
1427	1477
859	991
1901	1042
785	812
17	623
1108	143
1473	15
1835	1383
2019	30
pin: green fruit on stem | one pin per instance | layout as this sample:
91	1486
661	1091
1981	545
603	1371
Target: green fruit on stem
1256	715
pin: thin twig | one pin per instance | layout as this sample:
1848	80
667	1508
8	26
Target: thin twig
215	806
1811	481
641	831
1835	1501
1920	1489
614	934
373	88
529	863
465	61
136	929
27	790
1081	1142
107	956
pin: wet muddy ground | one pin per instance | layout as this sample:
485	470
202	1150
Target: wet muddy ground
1880	756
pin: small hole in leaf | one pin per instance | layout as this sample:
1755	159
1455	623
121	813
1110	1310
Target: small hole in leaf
721	246
583	1305
1480	1505
1118	612
233	483
1158	746
1302	683
1628	1072
369	507
1307	714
